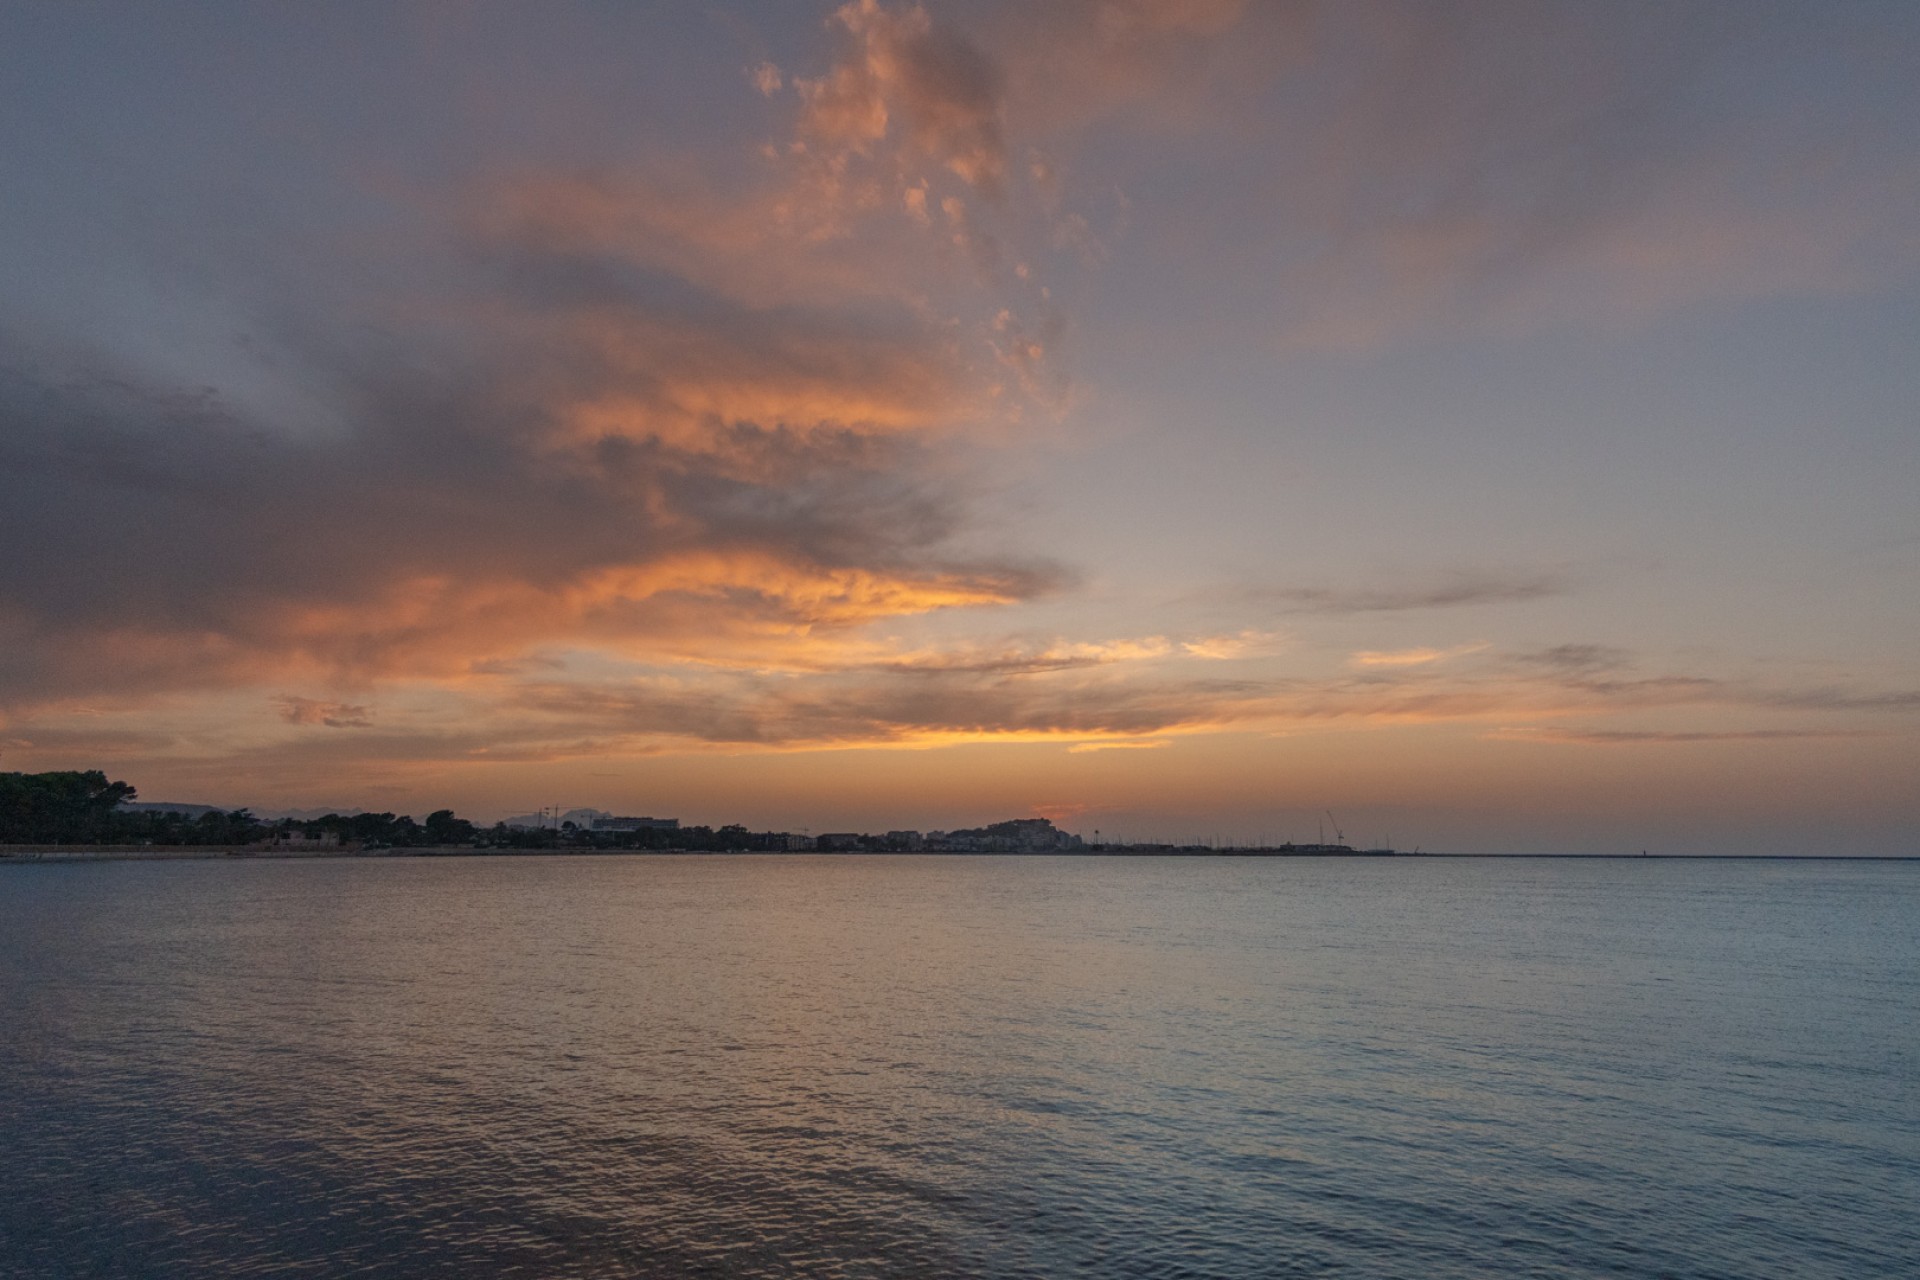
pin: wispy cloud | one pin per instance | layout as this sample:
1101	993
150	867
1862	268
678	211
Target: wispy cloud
1841	699
334	715
1468	172
1016	659
1123	696
1629	737
1456	589
1574	658
1410	657
1227	648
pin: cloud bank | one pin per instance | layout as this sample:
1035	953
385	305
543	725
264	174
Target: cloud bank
669	453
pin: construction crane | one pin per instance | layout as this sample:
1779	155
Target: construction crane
1339	837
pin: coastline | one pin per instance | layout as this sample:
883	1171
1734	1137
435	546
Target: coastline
22	854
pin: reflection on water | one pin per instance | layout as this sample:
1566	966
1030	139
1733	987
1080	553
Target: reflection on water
959	1066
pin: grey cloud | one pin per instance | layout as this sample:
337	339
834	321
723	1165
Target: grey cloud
163	540
1506	165
1831	699
1005	665
1652	687
1014	692
1573	658
843	709
1611	737
572	389
1066	696
333	715
1170	65
1471	587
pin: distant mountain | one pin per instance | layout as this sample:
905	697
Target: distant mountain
308	815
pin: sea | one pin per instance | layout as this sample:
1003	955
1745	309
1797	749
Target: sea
873	1066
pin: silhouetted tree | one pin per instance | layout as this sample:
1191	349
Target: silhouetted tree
69	807
443	828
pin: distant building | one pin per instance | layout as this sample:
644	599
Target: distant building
838	841
636	824
1019	835
300	842
910	841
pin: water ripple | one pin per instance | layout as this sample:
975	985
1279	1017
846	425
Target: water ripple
952	1067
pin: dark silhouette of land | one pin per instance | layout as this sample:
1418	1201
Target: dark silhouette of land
77	810
82	814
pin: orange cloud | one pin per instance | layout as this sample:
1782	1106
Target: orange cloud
1410	657
827	690
334	715
1229	647
448	536
943	90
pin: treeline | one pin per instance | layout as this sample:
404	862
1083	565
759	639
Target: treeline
70	808
76	807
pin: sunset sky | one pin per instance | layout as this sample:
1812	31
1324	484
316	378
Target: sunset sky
1497	423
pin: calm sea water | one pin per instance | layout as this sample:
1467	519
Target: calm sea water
716	1066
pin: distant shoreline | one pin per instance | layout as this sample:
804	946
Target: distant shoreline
216	853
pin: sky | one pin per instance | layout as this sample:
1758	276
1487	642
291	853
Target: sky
1497	424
